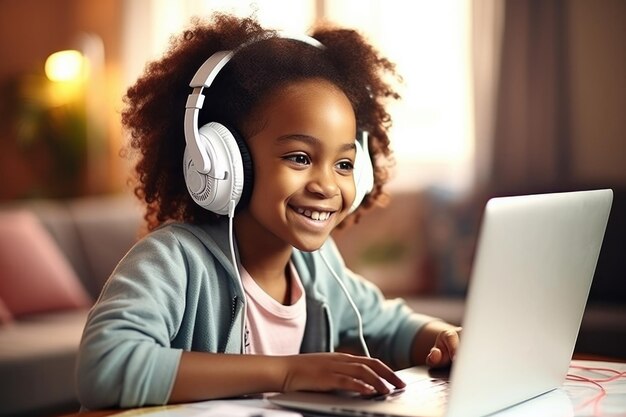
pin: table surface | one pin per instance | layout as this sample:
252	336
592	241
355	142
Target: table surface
592	388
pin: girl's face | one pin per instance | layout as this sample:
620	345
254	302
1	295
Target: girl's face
303	159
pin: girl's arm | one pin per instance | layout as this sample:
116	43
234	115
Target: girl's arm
203	376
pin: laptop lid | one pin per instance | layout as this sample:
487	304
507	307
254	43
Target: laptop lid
531	276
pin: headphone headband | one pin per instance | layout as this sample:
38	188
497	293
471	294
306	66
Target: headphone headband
203	78
208	71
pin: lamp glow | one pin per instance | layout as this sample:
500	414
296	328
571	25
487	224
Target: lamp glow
64	66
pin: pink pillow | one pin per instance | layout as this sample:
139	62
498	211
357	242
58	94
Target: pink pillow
35	276
5	315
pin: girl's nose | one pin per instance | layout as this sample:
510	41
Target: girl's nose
323	183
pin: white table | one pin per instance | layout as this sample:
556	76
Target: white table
590	390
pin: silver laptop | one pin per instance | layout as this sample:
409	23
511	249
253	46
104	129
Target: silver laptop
531	277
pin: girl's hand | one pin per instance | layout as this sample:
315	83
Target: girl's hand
443	352
337	371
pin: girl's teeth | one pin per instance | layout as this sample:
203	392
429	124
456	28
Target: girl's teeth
315	215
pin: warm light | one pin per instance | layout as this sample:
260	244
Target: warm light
433	133
65	66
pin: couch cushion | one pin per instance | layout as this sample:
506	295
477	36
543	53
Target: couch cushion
106	228
36	276
37	356
58	221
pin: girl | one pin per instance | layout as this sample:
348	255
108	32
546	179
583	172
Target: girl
247	162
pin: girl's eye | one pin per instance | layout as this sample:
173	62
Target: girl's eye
299	159
345	165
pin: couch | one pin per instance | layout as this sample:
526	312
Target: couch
60	252
54	257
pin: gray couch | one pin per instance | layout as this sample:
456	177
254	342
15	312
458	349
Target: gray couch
37	353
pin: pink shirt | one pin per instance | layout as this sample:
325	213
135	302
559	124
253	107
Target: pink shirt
271	327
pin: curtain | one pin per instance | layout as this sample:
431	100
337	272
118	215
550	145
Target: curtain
556	121
487	21
528	147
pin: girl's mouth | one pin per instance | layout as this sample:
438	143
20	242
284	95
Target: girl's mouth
314	214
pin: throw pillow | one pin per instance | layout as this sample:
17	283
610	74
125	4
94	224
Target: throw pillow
35	275
5	314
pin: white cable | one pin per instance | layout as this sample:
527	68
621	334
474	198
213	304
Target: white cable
231	241
356	310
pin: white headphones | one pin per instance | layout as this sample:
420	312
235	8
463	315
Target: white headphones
217	164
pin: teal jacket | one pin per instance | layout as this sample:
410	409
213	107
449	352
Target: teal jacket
176	290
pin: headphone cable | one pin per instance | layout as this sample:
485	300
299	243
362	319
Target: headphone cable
354	307
231	241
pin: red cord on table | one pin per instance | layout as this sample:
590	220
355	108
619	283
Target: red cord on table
596	382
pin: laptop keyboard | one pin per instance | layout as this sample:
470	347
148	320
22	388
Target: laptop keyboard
425	390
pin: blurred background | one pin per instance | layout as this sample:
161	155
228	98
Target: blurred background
500	97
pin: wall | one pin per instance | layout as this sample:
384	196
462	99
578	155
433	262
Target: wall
30	30
597	30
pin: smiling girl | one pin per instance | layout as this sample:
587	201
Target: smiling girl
251	295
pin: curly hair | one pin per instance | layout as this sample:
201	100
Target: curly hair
155	104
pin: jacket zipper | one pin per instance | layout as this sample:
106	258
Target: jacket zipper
233	311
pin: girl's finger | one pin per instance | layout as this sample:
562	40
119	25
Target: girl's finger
434	357
448	342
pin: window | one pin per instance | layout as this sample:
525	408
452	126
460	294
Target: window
433	132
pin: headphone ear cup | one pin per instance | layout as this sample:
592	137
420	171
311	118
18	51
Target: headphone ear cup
363	173
248	169
224	183
199	186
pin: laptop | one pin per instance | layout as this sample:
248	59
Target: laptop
531	276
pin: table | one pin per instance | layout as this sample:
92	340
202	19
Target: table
598	391
592	388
